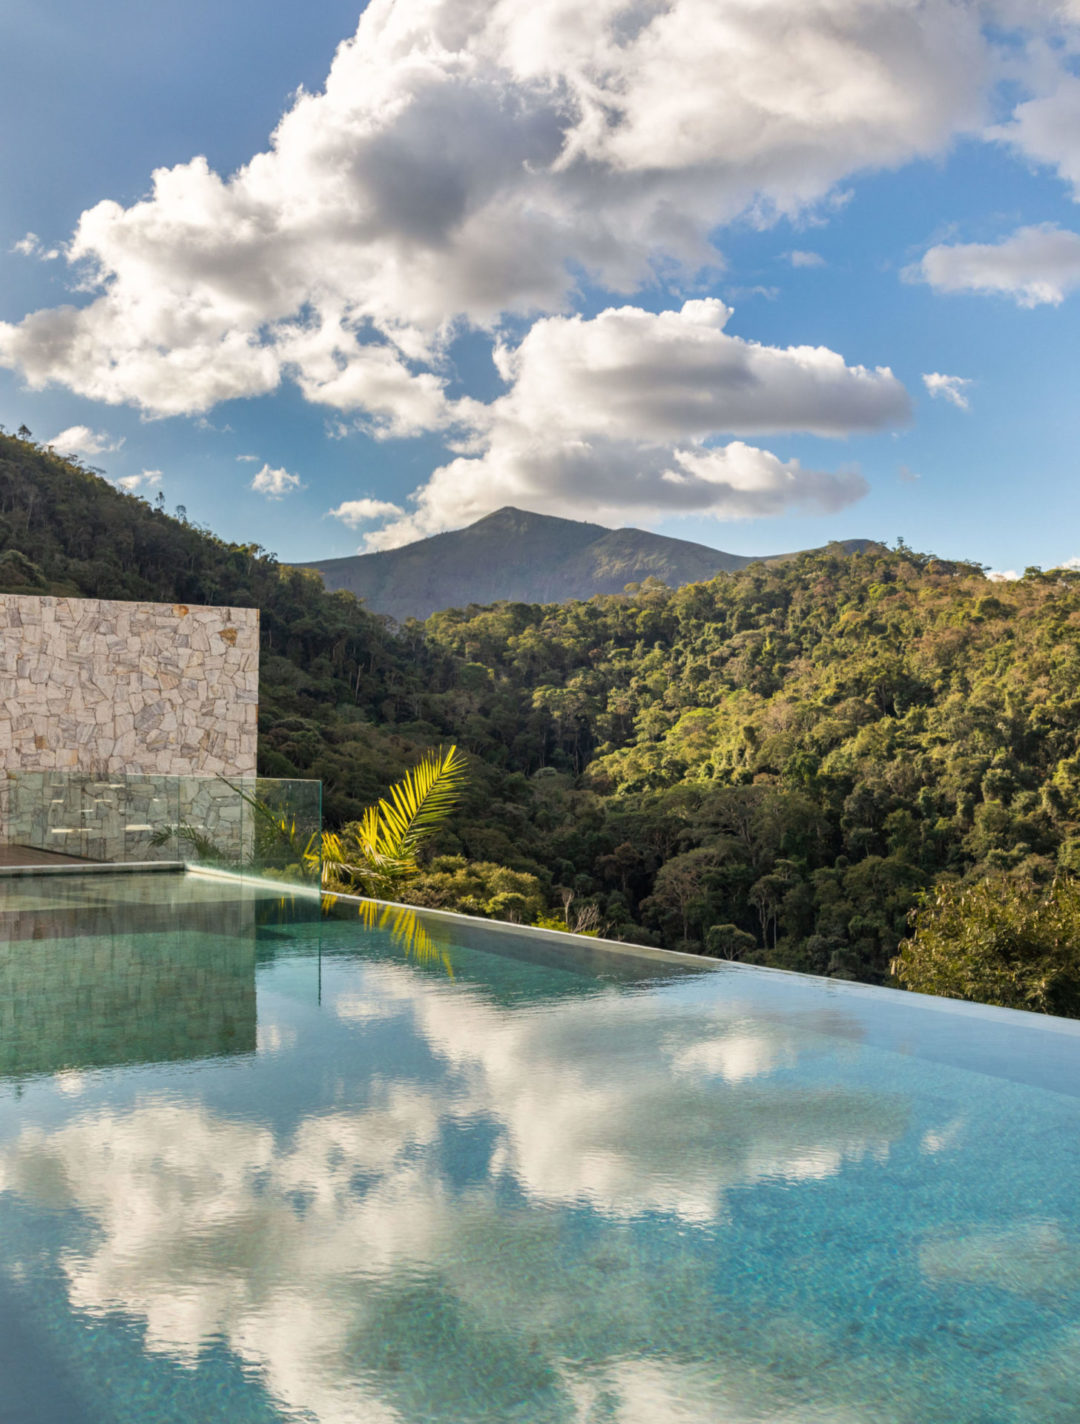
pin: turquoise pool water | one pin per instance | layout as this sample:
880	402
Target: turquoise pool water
258	1165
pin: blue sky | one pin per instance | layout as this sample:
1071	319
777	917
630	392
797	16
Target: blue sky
322	327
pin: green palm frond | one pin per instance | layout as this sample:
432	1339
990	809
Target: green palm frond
374	855
418	805
353	864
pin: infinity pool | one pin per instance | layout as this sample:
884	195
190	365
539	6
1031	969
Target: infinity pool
258	1164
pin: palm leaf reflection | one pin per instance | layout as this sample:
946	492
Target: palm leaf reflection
407	933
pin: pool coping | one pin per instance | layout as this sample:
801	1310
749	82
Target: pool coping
91	867
1048	1023
567	937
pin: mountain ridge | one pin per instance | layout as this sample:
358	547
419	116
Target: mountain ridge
513	555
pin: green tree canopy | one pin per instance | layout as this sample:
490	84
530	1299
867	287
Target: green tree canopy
999	941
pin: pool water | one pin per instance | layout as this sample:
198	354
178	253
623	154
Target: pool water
262	1164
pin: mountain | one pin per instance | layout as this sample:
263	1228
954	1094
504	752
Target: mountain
520	557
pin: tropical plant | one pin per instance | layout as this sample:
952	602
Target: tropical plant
377	854
477	887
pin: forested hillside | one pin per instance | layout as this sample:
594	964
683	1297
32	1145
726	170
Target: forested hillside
788	753
769	765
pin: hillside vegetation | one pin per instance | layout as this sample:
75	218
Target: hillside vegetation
770	765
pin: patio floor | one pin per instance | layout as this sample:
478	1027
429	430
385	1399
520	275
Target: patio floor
16	855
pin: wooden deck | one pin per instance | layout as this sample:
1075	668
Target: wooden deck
16	855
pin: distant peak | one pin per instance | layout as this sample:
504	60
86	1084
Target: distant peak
508	511
510	514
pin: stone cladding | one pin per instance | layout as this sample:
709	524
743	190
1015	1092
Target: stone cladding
106	687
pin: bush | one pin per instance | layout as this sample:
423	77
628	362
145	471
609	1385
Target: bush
17	572
1000	941
476	887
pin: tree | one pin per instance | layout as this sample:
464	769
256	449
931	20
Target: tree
999	941
728	942
680	892
766	896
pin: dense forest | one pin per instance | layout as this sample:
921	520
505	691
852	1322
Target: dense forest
767	766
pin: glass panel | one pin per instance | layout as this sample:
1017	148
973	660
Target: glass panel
286	825
255	824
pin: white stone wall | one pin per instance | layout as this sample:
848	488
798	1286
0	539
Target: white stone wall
104	687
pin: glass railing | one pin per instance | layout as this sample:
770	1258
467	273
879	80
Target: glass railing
258	825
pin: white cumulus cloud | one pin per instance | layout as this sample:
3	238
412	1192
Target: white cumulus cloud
466	161
617	482
679	374
949	388
81	440
146	480
1036	265
354	512
609	418
372	380
1046	127
32	246
275	484
800	258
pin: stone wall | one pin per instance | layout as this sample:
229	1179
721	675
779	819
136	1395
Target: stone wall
117	721
105	687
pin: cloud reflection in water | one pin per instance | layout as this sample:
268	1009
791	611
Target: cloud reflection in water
345	1262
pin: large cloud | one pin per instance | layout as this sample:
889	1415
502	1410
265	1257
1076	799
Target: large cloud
607	417
633	374
468	163
1036	265
465	161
